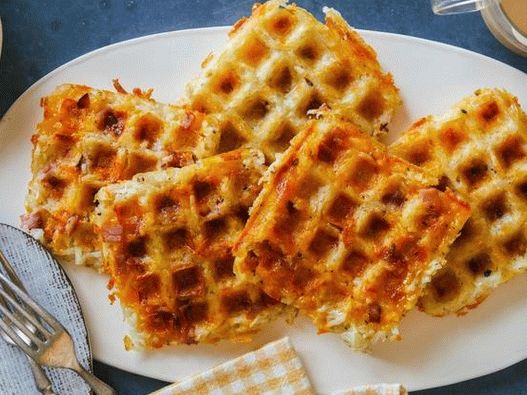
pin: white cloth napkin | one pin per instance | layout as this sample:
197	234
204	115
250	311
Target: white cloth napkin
49	286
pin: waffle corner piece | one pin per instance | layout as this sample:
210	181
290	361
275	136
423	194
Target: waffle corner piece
346	233
282	62
167	240
478	148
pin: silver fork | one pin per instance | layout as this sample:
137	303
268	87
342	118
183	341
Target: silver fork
51	344
41	380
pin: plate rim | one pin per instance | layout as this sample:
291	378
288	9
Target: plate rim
507	362
225	29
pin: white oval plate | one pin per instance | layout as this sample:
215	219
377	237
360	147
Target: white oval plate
433	351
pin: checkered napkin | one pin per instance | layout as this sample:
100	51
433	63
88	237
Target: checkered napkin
274	368
375	389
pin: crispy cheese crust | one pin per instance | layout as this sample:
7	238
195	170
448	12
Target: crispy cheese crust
347	233
280	63
167	240
90	138
478	148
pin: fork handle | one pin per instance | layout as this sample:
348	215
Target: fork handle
98	386
41	380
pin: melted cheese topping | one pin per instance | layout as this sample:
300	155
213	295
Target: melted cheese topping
90	138
347	233
478	148
282	62
167	240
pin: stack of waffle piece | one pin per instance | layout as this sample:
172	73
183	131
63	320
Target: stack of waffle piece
478	148
347	233
265	191
90	138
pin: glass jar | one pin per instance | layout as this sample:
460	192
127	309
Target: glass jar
506	19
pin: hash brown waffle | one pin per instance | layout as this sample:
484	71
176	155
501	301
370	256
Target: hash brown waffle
280	63
479	148
90	138
167	240
346	233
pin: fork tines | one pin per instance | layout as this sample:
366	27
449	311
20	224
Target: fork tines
12	311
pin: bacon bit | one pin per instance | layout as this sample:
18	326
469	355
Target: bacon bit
71	223
179	159
136	91
118	87
144	94
31	221
112	298
49	168
112	233
394	282
187	121
374	313
111	284
84	101
34	138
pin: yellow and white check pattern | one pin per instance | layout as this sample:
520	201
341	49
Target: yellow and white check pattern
375	389
272	369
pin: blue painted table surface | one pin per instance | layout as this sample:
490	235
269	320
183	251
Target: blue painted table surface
42	35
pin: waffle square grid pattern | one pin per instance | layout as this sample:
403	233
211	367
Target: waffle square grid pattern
478	148
167	240
90	138
280	63
346	233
